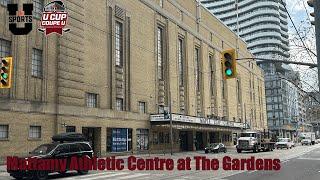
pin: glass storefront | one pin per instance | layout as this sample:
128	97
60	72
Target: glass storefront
142	139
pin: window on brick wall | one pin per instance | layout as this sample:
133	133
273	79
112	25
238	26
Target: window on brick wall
181	61
197	67
4	131
92	100
36	66
119	43
160	109
160	57
119	104
5	48
142	107
35	132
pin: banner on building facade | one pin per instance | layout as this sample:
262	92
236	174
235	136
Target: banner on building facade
197	120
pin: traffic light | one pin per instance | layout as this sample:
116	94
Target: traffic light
229	63
6	65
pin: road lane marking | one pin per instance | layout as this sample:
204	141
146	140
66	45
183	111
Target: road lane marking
281	159
106	176
89	175
315	159
133	176
252	171
95	175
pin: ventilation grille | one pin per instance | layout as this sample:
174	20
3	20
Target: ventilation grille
120	13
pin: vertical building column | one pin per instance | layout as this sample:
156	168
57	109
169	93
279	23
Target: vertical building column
78	129
134	140
103	141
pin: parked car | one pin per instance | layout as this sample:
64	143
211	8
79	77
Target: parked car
215	148
284	143
306	141
64	145
317	141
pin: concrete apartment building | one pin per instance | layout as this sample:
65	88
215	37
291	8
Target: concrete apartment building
264	27
312	100
114	73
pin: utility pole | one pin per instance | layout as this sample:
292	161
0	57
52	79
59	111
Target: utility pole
245	116
171	130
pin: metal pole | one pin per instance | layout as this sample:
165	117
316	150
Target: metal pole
280	127
171	131
245	116
317	27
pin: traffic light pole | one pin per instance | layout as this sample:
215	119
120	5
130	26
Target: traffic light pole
171	130
317	27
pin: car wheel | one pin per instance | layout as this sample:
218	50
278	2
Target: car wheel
62	172
206	152
239	150
255	149
83	172
41	175
225	151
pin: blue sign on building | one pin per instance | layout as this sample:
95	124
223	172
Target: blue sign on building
119	140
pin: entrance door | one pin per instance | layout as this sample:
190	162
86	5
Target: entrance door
199	141
89	134
212	137
183	136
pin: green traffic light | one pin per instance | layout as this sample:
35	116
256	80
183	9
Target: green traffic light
228	72
4	75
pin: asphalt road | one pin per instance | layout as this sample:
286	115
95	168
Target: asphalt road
304	167
299	163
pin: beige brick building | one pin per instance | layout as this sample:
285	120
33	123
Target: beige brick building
112	75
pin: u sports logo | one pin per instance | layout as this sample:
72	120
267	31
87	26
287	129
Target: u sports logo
23	17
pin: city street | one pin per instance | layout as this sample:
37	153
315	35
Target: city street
301	162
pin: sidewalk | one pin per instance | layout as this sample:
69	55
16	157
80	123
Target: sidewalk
3	168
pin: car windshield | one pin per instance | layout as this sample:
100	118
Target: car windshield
247	135
213	145
283	140
43	149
